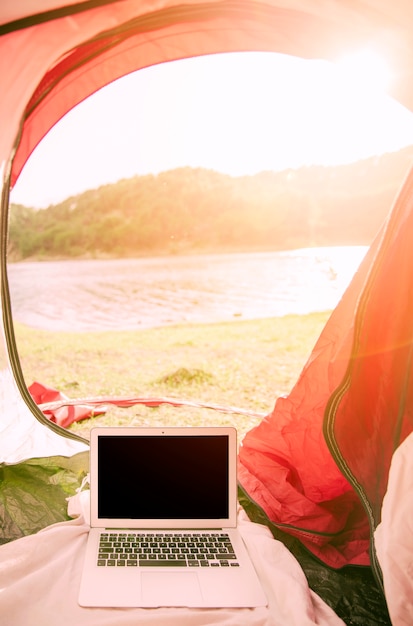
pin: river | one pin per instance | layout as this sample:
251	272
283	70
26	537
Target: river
124	294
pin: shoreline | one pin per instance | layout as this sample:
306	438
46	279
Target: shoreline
153	292
185	252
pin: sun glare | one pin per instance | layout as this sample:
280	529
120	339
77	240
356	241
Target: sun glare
367	69
238	114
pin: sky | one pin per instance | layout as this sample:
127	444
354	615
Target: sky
236	113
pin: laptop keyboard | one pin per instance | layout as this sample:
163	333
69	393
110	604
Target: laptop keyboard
166	550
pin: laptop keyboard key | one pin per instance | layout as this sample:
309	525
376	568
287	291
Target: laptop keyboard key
162	563
157	550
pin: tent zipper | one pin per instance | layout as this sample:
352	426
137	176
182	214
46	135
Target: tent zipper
8	322
337	396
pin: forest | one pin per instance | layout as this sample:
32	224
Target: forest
189	210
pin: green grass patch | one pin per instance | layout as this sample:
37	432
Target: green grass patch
183	377
245	364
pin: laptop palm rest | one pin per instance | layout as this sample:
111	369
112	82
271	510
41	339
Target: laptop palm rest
171	589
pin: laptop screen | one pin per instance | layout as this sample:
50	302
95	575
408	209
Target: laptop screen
165	476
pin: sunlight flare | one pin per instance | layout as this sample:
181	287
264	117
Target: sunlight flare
367	69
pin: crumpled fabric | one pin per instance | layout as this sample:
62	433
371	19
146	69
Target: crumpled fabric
72	410
285	465
45	569
63	416
394	536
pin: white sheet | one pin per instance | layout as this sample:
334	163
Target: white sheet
394	536
22	436
40	575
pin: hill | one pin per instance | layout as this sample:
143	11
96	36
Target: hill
193	210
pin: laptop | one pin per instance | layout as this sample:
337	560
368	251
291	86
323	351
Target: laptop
163	521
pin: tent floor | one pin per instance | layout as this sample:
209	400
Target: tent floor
351	592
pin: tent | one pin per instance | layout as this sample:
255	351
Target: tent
319	468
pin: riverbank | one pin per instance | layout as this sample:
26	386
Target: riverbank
246	364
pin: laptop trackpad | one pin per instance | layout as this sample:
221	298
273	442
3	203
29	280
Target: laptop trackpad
171	589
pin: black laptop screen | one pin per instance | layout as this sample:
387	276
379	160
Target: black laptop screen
163	477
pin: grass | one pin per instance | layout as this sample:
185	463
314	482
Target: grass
245	364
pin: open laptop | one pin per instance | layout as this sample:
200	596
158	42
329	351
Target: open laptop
163	521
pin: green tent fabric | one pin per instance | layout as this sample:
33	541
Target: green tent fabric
33	493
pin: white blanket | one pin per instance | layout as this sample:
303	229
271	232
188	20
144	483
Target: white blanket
394	536
40	575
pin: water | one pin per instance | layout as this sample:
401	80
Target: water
124	294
